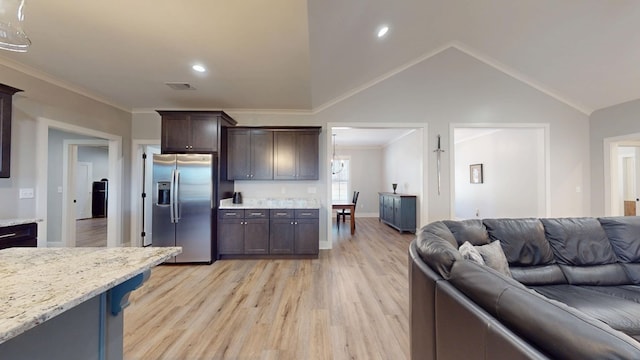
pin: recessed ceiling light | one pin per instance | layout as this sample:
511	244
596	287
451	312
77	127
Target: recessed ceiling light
199	68
383	31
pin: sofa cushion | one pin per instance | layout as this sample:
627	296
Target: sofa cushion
617	312
472	231
578	241
523	240
553	327
539	275
624	234
435	245
633	271
471	253
627	292
494	257
603	275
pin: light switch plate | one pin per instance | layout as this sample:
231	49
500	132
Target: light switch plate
26	193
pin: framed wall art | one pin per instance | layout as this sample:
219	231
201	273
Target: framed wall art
475	174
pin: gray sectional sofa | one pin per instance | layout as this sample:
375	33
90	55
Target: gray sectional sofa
569	289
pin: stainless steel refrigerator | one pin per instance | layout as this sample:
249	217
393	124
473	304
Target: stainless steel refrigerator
182	205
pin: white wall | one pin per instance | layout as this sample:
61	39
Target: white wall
99	157
616	121
366	177
402	164
513	172
453	87
41	99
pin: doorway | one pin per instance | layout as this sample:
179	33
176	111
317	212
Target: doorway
378	157
142	173
500	170
55	181
622	180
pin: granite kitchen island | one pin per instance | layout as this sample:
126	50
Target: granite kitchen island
66	303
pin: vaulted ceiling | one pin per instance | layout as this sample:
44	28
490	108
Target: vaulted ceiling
302	55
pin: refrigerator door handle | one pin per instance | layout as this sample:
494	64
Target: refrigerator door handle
177	192
172	200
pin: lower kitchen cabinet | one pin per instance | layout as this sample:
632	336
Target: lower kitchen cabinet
275	232
23	235
243	232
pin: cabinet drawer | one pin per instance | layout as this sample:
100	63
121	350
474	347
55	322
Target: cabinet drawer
306	213
231	214
24	235
281	213
256	213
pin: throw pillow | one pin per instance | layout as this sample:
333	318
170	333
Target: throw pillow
471	253
494	257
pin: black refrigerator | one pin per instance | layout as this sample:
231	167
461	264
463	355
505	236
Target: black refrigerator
99	192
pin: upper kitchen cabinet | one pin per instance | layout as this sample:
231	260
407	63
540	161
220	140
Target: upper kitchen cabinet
192	131
250	153
296	154
6	95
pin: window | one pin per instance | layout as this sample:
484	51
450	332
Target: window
340	182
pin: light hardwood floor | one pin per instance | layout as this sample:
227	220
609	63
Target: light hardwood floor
350	303
91	232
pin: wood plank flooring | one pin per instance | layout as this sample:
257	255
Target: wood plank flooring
350	303
91	232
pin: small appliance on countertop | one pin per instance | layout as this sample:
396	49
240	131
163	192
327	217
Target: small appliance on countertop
237	198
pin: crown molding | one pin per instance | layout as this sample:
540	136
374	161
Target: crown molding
41	75
232	110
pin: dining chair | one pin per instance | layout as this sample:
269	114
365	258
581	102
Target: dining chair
344	212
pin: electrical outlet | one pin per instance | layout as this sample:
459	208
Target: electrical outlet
26	193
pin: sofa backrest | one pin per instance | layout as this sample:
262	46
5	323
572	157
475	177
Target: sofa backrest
579	251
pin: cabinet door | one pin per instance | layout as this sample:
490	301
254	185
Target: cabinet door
261	155
281	236
307	155
397	211
284	155
380	206
231	239
307	236
238	154
256	236
175	133
204	133
388	208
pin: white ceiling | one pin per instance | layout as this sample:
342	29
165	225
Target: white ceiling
298	55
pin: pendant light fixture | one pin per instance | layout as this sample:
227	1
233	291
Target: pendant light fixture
333	159
12	36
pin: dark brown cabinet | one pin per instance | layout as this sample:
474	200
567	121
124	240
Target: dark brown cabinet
6	95
24	235
294	232
250	153
192	131
295	155
243	232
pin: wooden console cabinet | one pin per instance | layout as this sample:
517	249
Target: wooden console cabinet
398	211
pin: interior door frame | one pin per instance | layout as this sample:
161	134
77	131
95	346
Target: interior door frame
137	149
613	205
114	217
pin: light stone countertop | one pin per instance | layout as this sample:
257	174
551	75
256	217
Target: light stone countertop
272	203
12	222
40	283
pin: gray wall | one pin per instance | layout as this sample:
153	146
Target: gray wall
619	120
42	99
99	157
366	177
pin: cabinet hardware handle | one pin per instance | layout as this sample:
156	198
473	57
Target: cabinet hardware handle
305	214
230	214
281	214
256	214
7	235
292	223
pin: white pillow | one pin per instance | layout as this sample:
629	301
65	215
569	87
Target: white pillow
469	252
494	257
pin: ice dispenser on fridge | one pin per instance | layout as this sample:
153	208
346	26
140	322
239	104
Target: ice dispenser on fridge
164	193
